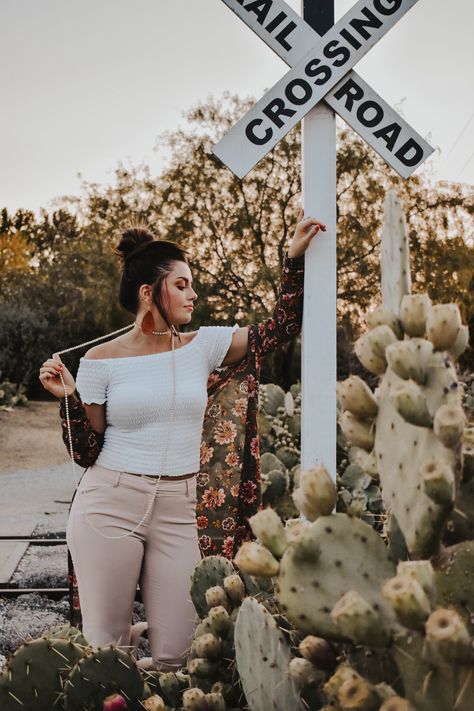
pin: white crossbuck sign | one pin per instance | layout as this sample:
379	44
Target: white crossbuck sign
321	68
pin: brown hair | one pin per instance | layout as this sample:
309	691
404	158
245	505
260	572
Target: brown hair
145	260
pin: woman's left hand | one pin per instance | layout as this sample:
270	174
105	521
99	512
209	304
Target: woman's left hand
304	233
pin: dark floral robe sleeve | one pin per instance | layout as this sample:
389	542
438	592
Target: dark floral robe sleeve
86	442
228	483
285	322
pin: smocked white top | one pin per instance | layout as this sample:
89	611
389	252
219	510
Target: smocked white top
138	391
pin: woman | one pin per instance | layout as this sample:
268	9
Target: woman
125	494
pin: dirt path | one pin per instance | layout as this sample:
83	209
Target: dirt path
30	437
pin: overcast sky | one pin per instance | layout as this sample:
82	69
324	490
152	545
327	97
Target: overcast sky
85	84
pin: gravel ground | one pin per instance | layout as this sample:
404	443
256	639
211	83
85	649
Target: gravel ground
36	487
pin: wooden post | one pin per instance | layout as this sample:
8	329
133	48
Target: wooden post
318	352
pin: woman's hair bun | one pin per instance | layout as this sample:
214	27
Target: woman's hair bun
133	240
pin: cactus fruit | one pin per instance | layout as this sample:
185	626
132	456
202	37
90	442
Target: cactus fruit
357	693
360	433
383	316
409	601
460	344
234	588
216	597
410	403
358	620
379	339
203	668
262	655
170	685
220	621
268	528
447	636
317	493
342	674
356	396
438	481
115	702
303	673
154	703
368	357
193	700
421	571
318	651
410	360
208	646
448	425
443	325
255	559
414	311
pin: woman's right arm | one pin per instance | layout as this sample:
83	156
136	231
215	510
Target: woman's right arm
87	429
87	421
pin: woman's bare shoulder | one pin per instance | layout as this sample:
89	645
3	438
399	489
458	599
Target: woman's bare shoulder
112	349
118	347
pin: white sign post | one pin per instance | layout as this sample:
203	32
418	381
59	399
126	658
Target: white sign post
320	82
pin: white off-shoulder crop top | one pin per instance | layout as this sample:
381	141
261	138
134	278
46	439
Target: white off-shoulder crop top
138	394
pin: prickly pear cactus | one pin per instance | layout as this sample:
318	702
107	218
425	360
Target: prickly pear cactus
35	674
334	580
211	572
263	654
100	673
318	568
416	432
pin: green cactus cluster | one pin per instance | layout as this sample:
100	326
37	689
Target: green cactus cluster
61	670
280	436
407	606
12	395
217	591
335	582
412	427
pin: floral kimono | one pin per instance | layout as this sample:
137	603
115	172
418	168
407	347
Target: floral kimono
228	482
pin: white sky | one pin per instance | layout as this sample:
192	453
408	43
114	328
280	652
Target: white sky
85	84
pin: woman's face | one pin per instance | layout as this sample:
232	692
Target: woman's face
177	295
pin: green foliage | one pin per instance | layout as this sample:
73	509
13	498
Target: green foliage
11	395
64	288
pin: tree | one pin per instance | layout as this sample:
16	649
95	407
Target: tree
236	233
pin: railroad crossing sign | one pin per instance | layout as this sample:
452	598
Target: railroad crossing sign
321	68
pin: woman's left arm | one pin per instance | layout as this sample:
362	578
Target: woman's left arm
285	322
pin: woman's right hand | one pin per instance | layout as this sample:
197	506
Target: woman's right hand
50	380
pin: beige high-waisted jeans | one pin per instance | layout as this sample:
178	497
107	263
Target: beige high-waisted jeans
160	556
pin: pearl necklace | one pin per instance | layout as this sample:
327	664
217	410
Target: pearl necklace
154	333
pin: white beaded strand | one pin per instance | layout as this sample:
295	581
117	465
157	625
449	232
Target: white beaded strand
173	409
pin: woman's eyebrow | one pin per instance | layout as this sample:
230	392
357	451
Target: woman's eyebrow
185	279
